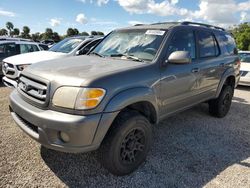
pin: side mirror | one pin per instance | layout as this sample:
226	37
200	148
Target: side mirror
179	57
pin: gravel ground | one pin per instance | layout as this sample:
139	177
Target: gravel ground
191	149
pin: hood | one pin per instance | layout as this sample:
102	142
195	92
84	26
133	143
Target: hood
34	57
76	70
245	66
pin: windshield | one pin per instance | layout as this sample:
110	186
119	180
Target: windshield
66	45
131	44
245	58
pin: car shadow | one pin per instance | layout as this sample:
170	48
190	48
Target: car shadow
189	150
1	82
244	88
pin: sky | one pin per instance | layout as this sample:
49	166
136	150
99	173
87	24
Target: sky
106	15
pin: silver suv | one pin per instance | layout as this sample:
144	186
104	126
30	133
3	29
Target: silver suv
137	76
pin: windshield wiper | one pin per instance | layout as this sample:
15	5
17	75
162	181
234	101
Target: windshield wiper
97	54
128	56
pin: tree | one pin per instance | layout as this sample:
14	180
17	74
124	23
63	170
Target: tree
3	32
26	32
16	32
76	31
48	34
94	33
242	36
100	33
84	33
10	27
70	32
35	37
56	37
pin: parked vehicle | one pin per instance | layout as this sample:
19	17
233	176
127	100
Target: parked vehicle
133	79
68	47
11	47
48	42
245	70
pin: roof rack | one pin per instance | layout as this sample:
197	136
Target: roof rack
201	24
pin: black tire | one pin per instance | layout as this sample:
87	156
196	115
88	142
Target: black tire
220	107
126	145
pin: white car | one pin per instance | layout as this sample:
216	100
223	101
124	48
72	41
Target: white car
13	46
72	46
245	70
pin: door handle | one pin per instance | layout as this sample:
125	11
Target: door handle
195	70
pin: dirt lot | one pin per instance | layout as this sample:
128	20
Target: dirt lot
191	149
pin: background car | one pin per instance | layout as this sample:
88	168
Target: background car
71	46
245	70
13	46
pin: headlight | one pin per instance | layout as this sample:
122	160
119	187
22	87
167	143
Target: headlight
22	67
78	98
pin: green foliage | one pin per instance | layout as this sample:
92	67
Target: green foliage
3	32
84	33
48	34
94	33
9	26
26	32
242	36
16	32
100	33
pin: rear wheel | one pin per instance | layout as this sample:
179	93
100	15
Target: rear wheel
220	107
126	145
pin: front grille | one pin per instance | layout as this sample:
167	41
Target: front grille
33	89
243	73
28	124
8	69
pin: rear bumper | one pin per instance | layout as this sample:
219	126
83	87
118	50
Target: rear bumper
9	82
44	126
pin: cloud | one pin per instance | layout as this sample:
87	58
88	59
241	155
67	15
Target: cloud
219	12
98	2
55	22
7	13
81	18
134	22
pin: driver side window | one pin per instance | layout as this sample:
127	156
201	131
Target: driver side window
183	41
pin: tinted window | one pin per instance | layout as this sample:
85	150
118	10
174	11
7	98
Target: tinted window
90	45
228	44
43	47
25	48
7	50
207	45
182	41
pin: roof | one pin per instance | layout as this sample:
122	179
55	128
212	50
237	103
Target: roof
17	42
168	25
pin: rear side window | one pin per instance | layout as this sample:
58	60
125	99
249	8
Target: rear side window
228	45
7	50
25	48
208	46
182	41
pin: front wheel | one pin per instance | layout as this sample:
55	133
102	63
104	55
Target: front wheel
220	107
126	145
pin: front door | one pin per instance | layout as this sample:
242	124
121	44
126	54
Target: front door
179	81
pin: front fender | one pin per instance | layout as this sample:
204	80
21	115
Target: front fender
131	96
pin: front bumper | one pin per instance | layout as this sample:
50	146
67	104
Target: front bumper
9	82
244	81
44	126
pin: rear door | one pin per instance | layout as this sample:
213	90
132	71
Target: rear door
210	63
